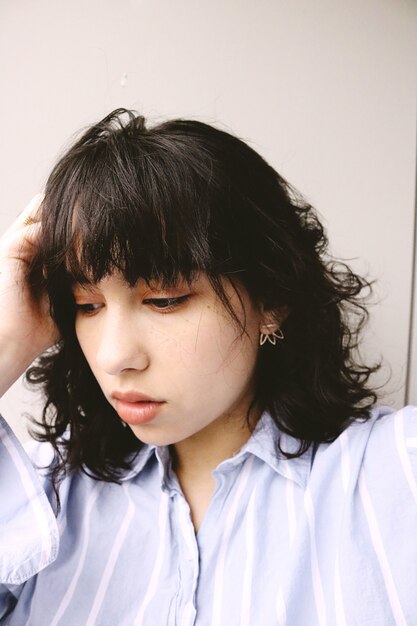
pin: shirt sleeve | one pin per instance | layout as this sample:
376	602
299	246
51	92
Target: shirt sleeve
387	501
29	538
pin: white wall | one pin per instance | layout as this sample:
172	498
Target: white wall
325	90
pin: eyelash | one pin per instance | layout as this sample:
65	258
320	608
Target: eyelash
168	305
86	309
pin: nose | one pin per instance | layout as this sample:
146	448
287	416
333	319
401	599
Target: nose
121	346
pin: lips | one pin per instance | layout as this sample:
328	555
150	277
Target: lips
132	396
136	408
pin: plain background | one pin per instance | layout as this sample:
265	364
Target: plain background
325	90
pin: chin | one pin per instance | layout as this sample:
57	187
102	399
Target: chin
153	436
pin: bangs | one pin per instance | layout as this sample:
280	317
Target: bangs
134	206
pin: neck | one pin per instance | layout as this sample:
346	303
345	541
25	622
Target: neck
197	456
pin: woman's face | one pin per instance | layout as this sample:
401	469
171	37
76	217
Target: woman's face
178	347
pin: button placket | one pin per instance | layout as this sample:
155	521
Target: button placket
189	563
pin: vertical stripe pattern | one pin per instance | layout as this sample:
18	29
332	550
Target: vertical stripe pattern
246	604
153	582
111	562
219	572
381	554
315	571
73	582
41	518
284	542
403	454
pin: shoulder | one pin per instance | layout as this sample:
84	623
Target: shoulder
390	456
376	493
387	432
375	459
381	450
390	434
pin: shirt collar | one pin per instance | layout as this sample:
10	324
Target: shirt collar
263	444
140	460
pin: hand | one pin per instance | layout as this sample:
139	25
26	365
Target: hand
26	328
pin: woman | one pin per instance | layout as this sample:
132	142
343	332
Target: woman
211	452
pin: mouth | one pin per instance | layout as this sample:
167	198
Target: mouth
136	408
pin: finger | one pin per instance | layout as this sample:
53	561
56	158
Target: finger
30	214
31	233
27	217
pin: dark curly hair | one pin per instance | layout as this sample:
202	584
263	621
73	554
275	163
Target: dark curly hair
167	202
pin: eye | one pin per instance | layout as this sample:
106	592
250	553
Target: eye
166	304
87	309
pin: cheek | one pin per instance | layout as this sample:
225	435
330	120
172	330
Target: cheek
88	341
212	347
81	336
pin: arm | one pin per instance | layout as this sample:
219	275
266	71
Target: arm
28	530
26	329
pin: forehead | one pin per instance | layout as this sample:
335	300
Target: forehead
116	278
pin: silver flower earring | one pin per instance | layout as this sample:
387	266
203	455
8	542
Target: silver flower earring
271	337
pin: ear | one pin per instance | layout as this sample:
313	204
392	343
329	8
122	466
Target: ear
274	317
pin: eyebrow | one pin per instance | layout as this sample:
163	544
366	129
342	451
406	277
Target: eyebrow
81	284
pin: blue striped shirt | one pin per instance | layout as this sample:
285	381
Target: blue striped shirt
328	539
